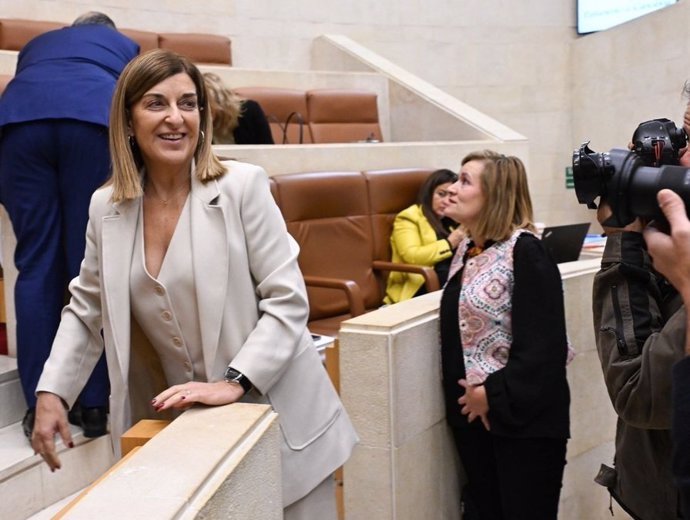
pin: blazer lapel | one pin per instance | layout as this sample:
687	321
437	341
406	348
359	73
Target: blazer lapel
118	234
210	265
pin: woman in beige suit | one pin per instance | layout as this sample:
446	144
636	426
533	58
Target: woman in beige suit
193	279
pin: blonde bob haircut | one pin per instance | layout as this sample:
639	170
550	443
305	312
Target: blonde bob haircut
226	108
140	75
507	203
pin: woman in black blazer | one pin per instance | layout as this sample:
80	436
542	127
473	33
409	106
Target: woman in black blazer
504	346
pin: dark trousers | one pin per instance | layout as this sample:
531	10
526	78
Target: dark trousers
48	171
511	478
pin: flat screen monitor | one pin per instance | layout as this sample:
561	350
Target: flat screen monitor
597	15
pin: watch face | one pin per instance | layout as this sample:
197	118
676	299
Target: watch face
232	375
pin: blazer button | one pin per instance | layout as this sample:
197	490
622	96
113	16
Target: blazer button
159	290
177	341
166	315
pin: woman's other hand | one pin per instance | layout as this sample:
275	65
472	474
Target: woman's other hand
184	396
51	419
604	212
455	237
474	403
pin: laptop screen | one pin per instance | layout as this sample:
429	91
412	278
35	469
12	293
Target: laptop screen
564	243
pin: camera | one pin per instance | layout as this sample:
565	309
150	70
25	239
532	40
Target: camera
658	142
629	180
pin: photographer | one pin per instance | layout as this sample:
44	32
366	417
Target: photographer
640	327
671	255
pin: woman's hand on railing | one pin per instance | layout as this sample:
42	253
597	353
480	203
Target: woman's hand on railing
181	397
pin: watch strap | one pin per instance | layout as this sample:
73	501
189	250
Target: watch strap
235	376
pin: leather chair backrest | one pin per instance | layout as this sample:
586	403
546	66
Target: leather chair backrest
15	33
343	116
147	40
390	192
274	190
200	48
279	104
327	213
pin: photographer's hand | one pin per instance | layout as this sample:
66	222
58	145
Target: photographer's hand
603	214
671	253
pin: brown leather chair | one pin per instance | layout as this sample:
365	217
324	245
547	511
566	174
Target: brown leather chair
343	116
329	215
147	40
391	191
200	48
15	33
285	109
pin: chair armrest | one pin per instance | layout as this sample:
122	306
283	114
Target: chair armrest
430	277
349	287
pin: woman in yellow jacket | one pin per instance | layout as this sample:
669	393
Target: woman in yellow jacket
423	236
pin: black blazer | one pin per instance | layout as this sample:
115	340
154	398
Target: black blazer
253	127
529	397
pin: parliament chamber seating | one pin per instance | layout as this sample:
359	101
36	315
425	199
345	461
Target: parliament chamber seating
200	48
343	116
285	109
317	116
342	221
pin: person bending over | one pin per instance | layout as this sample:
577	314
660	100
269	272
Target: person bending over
54	149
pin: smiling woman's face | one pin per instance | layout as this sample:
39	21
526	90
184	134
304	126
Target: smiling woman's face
165	122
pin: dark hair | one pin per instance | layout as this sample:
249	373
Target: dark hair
94	18
426	195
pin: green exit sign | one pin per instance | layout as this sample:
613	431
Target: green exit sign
569	182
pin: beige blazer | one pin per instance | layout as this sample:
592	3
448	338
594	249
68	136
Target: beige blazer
252	309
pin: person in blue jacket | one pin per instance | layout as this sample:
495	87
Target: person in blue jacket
53	155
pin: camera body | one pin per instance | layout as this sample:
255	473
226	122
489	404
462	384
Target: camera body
630	180
658	142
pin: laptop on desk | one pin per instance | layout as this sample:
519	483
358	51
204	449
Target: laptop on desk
565	242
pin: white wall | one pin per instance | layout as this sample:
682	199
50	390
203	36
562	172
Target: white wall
629	74
507	59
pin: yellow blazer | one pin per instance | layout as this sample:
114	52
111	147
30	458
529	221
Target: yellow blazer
252	311
413	241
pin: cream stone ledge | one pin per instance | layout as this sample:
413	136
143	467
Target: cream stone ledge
212	463
404	467
579	268
283	159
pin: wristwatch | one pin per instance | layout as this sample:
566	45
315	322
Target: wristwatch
234	376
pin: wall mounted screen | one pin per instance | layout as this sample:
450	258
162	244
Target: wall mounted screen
597	15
